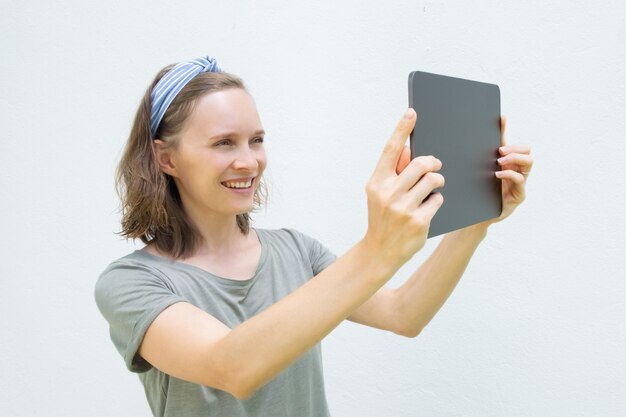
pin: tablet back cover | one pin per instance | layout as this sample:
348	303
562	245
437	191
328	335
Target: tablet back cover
458	121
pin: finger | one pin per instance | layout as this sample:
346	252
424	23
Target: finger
416	170
403	161
425	187
514	176
393	148
525	162
502	130
427	210
518	148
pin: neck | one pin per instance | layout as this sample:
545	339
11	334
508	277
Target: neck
220	234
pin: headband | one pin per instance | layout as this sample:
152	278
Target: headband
172	82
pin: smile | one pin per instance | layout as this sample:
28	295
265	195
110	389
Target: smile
238	184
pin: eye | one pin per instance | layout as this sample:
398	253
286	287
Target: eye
258	140
223	142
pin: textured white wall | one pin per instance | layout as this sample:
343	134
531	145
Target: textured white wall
536	326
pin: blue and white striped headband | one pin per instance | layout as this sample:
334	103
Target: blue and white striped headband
172	82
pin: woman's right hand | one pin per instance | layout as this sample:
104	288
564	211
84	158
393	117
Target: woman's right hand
399	206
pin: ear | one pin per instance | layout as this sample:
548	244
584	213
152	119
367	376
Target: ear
164	157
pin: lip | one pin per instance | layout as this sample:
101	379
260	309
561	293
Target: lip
242	179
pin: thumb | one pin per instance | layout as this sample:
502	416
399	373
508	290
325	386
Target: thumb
503	130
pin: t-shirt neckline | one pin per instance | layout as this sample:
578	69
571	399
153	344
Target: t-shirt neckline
223	280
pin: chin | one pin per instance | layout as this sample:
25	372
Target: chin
243	210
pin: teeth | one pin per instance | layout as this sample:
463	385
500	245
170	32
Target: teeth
238	184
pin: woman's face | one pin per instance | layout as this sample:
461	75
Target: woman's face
220	156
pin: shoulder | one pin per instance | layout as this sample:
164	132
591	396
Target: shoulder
285	237
133	263
288	241
128	273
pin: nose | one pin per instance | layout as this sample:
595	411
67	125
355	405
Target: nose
245	159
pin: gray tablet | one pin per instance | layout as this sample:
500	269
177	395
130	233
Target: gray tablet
458	121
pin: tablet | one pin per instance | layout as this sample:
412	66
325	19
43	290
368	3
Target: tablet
458	122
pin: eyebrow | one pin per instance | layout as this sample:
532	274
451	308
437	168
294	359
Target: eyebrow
226	134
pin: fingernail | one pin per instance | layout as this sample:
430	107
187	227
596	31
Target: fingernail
408	114
498	174
503	149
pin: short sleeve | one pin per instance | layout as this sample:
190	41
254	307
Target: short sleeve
319	255
130	297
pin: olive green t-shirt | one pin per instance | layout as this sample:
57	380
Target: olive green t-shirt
134	289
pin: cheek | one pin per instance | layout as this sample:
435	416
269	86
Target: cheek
262	160
200	170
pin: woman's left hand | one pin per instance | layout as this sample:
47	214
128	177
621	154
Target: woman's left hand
516	163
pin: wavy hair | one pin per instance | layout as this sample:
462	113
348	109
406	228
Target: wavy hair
150	203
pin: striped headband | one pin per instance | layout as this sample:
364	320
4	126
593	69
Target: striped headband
172	82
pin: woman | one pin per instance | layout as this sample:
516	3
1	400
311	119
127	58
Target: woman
221	319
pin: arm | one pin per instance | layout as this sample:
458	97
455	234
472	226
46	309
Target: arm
189	344
409	308
429	287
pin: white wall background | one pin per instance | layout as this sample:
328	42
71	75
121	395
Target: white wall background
535	328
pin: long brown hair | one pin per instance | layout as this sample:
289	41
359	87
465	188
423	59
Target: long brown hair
150	203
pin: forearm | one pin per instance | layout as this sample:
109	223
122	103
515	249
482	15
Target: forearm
266	344
419	299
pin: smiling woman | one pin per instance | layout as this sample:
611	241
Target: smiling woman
152	203
201	168
222	319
